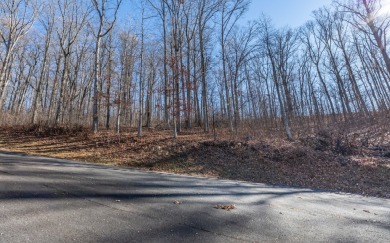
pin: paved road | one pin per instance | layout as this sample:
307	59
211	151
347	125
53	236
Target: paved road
53	200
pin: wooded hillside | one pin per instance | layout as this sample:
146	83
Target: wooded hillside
186	88
189	63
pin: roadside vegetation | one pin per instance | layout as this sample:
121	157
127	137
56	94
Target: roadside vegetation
346	157
185	87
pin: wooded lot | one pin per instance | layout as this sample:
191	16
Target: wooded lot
191	67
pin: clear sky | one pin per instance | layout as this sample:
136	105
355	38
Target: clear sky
291	13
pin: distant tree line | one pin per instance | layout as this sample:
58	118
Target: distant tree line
189	63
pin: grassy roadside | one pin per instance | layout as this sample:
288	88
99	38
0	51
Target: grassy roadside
311	162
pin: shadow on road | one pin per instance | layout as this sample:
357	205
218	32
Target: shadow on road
87	193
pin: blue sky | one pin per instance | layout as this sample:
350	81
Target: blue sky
291	13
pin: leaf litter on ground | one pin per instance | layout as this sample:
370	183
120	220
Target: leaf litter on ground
225	207
306	162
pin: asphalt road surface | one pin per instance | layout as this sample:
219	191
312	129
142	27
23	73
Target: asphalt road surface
53	200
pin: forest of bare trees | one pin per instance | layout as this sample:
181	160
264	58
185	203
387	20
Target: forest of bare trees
183	64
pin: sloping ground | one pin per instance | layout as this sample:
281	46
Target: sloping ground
321	161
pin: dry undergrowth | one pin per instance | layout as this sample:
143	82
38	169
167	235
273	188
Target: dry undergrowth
328	159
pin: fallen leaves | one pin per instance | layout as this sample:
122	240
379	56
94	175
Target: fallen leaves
225	207
266	160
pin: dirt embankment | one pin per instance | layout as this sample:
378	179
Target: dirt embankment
325	160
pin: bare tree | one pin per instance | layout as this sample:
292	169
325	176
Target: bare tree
315	50
274	42
206	10
162	12
367	13
237	53
47	21
16	19
102	9
73	17
230	13
141	77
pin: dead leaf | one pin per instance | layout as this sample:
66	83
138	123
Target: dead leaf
225	207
